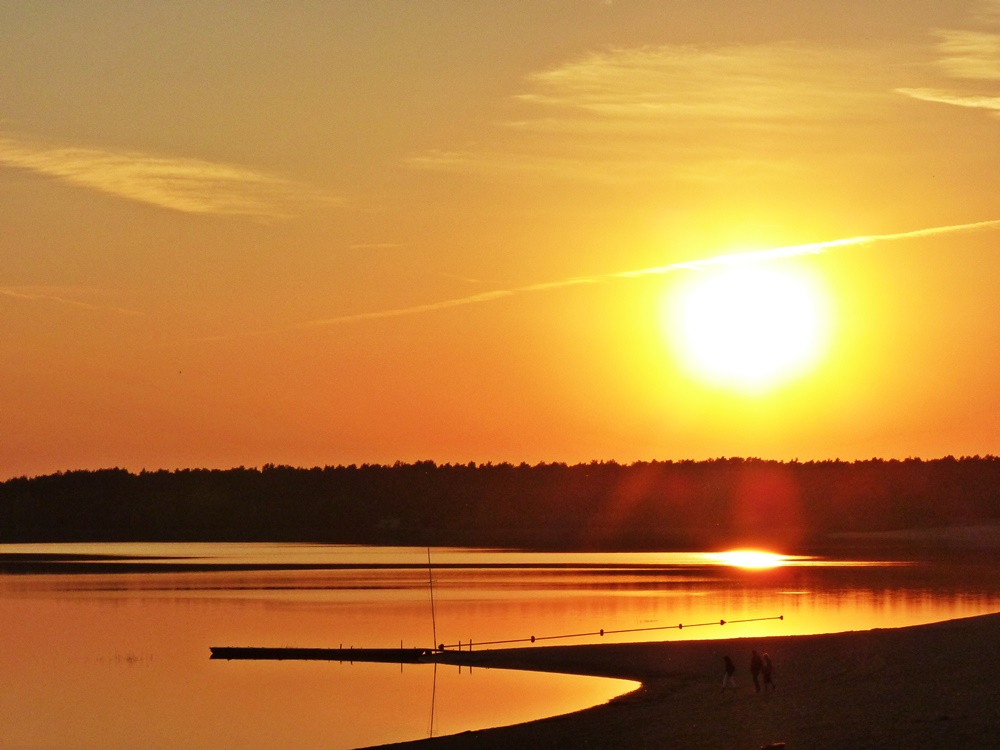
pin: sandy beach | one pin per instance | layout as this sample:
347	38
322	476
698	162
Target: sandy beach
929	686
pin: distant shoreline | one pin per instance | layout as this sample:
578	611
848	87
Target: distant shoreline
981	541
924	687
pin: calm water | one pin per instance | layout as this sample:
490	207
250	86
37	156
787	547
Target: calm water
113	654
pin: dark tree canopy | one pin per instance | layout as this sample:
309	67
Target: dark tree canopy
600	505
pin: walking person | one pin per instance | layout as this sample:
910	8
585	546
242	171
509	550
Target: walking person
768	670
756	664
727	676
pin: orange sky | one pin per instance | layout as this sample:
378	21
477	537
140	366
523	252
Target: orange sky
234	233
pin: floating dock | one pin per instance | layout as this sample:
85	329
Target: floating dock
386	655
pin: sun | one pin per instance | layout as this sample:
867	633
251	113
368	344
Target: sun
748	327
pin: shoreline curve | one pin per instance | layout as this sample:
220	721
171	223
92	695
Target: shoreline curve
919	687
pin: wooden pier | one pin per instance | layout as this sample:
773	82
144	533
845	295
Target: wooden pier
384	655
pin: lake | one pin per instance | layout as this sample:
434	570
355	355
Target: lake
107	645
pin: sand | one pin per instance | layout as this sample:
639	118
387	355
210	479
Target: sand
929	686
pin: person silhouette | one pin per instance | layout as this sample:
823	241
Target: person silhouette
768	669
727	676
756	664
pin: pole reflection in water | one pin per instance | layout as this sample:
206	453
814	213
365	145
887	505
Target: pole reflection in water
430	730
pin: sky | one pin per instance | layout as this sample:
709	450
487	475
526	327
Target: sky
323	233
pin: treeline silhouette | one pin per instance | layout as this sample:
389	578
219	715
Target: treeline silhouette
600	505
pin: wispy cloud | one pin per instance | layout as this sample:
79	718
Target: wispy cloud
755	256
970	55
970	61
972	101
629	113
749	83
182	184
60	296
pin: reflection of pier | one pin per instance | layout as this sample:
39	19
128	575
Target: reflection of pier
386	655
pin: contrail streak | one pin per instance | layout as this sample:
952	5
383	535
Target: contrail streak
810	248
35	296
458	301
752	256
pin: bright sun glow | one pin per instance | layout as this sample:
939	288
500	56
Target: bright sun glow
748	327
747	558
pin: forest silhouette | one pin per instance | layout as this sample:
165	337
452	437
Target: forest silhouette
658	505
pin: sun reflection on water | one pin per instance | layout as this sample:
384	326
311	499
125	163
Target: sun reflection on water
749	558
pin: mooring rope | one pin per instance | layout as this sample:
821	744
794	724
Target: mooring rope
602	632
